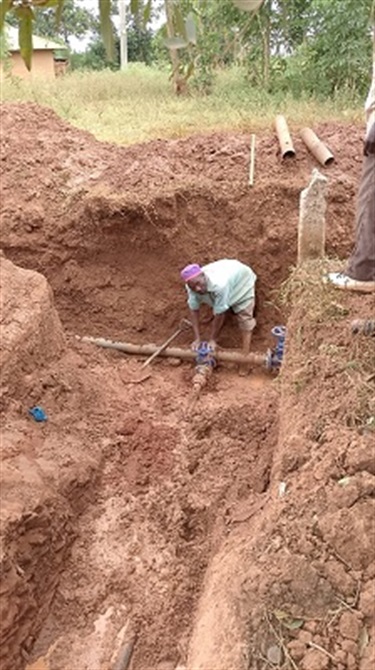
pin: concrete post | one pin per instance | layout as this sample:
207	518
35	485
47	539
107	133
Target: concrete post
312	225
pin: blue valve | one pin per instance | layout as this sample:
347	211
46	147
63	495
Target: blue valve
275	355
205	355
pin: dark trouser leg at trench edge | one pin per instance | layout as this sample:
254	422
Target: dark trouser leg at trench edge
361	264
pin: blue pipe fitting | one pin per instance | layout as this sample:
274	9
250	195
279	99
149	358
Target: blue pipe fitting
205	355
275	355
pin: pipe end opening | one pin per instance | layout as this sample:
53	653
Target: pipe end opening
290	153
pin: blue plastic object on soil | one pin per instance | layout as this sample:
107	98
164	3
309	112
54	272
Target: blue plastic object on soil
38	414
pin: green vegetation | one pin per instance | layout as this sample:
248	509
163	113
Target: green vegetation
139	104
303	47
308	59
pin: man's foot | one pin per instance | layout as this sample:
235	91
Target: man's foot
342	281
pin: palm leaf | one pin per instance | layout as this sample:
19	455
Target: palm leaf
106	27
175	42
147	12
190	29
179	22
45	4
134	6
4	8
248	5
25	34
59	11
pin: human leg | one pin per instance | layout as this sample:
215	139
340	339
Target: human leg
359	274
361	264
246	324
246	341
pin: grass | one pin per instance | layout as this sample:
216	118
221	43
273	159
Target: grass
139	104
326	355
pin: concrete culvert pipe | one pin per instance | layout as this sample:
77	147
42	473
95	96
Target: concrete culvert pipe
283	135
317	147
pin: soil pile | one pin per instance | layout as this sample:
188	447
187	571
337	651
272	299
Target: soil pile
111	226
209	539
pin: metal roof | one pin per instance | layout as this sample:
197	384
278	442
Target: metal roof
38	42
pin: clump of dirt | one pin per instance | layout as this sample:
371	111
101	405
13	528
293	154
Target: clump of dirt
31	330
208	538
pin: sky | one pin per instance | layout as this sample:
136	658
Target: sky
80	45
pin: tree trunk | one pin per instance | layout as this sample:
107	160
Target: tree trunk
265	31
177	81
266	54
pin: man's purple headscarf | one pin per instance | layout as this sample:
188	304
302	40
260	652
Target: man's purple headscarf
190	271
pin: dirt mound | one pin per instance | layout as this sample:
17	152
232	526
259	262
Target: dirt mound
207	538
110	226
31	333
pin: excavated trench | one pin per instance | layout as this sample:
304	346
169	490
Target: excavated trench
116	507
120	278
165	489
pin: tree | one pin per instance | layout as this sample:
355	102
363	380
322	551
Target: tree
316	46
140	42
339	47
24	11
95	57
75	21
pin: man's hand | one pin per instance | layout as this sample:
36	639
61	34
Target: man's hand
212	344
369	148
195	345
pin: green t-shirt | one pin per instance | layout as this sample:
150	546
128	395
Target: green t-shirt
230	283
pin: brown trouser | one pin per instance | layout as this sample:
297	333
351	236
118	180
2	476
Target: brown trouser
361	264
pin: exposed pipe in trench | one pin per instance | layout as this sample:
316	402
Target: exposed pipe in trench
174	352
205	357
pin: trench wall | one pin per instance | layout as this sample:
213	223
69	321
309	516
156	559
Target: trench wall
307	556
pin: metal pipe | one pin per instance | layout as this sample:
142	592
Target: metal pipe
317	147
174	352
200	379
283	135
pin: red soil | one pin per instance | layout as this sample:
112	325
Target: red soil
123	515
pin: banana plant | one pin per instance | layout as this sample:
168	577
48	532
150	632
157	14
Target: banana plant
24	12
248	5
182	34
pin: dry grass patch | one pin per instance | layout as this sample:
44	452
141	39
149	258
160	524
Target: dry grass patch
139	104
332	367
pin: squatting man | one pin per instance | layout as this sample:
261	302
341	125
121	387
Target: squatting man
223	285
